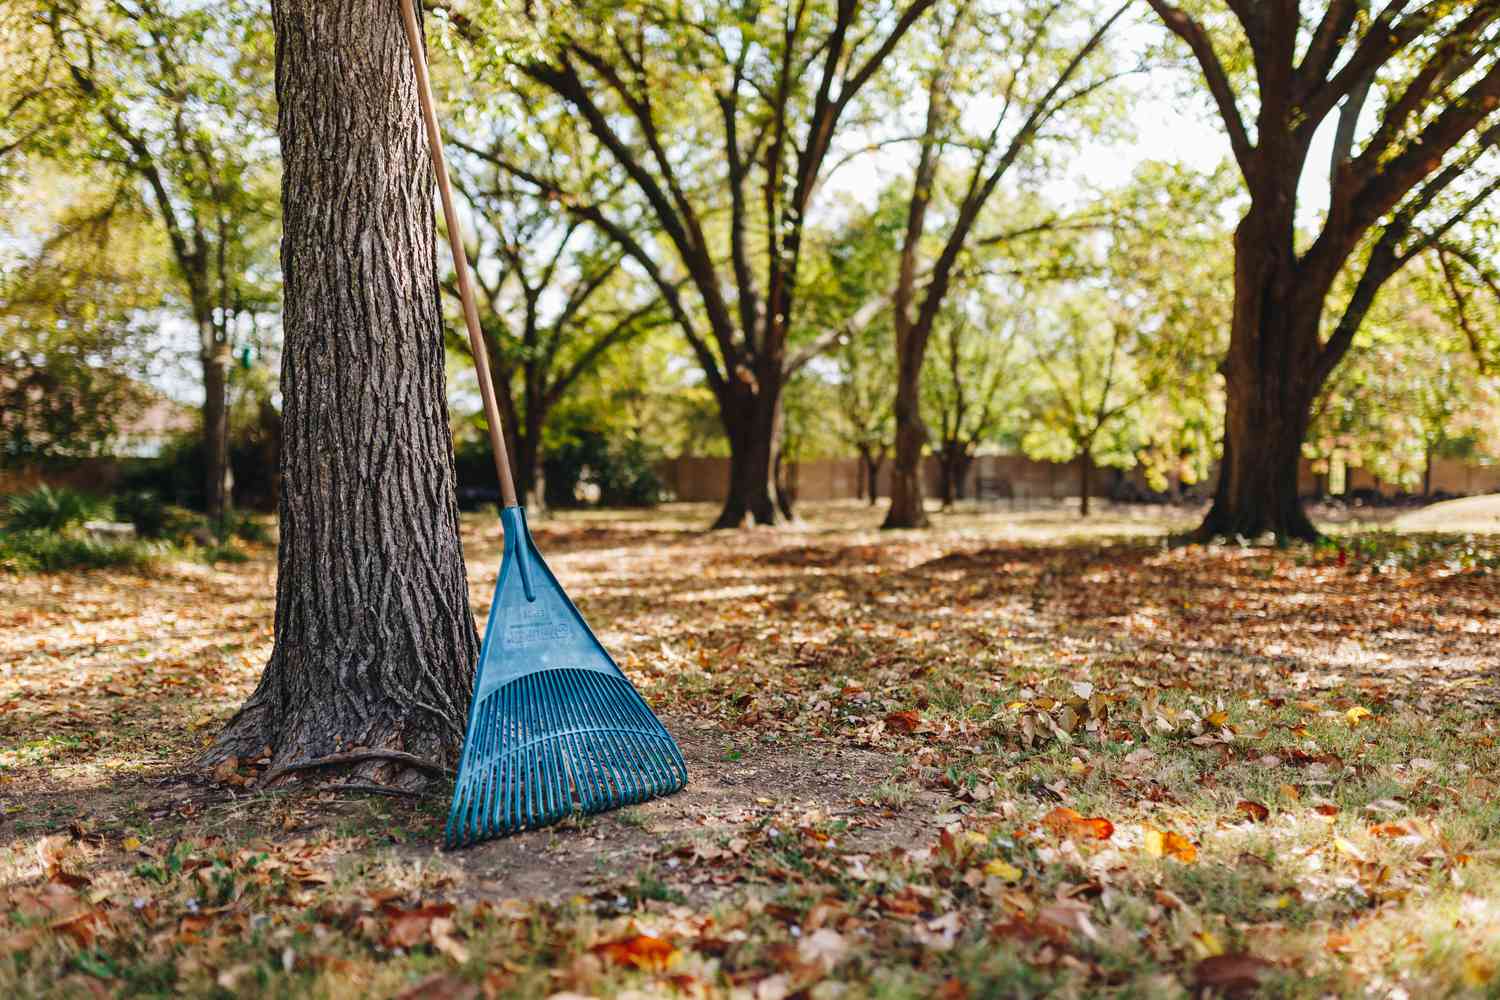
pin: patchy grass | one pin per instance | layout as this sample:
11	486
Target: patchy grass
1013	756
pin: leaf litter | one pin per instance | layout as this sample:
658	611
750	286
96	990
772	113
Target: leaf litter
954	764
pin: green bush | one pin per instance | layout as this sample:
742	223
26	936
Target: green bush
247	528
154	518
42	551
55	510
622	473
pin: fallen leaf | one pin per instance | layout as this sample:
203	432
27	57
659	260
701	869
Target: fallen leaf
823	947
1167	844
1347	849
1234	972
228	769
1065	822
642	951
442	986
903	722
1003	870
1254	810
1478	970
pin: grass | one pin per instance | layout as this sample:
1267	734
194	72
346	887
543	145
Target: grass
1002	758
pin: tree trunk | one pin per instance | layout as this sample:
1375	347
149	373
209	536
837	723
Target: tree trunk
215	361
874	470
1266	418
531	478
907	508
1427	469
375	644
752	425
1085	482
1271	381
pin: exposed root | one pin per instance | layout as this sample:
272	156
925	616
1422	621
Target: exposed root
355	757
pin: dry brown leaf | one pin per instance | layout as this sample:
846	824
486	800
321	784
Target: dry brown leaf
642	951
1234	972
1254	810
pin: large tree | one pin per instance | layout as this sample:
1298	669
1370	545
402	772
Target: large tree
1413	93
724	118
1050	60
174	99
375	644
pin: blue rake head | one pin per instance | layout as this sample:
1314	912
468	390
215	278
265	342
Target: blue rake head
555	727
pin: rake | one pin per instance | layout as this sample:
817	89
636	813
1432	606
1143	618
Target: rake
555	727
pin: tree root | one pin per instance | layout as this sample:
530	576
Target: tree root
355	757
372	789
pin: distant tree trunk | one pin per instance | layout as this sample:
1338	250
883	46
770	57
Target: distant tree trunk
214	357
870	462
954	464
375	644
1085	482
907	509
531	479
1427	469
752	426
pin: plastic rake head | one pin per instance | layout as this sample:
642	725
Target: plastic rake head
555	728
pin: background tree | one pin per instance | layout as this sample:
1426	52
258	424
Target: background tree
1416	90
75	328
553	300
1410	391
863	389
1051	60
1086	350
969	392
1167	257
723	117
176	99
375	643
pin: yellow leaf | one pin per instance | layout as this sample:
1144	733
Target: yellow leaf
1003	870
131	843
1478	970
1207	944
1216	719
974	839
1290	792
1153	843
1356	714
1167	844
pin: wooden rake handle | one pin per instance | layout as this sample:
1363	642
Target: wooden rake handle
460	257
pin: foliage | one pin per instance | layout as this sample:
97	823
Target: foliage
46	551
1412	391
171	105
156	519
52	509
1092	382
590	468
76	322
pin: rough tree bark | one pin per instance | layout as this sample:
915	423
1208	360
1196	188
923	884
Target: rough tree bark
375	645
